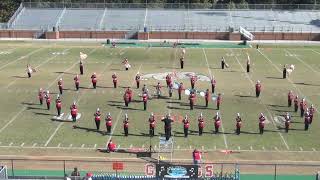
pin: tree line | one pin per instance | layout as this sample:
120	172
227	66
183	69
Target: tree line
8	7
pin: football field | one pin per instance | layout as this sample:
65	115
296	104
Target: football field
26	126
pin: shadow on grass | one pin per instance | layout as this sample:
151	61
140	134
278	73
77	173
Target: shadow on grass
307	84
245	96
45	114
89	129
106	87
30	104
274	105
274	77
60	72
20	77
29	108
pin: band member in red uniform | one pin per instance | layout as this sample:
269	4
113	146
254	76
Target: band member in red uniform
200	124
180	89
145	100
168	80
126	98
312	110
94	80
213	84
74	112
306	121
126	125
170	89
130	93
60	85
97	118
290	98
182	62
138	80
111	146
193	80
296	103
223	63
108	123
58	105
48	99
287	122
77	82
207	97
40	96
192	99
186	125
217	122
238	124
258	88
158	89
152	124
303	107
114	80
81	67
219	100
261	123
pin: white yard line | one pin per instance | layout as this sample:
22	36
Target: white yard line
22	57
299	59
292	83
315	51
44	62
119	114
24	108
210	73
260	101
77	102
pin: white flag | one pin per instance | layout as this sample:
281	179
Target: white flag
83	56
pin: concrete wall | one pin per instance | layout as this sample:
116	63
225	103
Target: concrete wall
161	35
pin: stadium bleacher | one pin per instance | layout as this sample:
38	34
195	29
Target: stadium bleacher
202	20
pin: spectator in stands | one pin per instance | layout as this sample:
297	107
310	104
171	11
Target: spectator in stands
75	172
88	176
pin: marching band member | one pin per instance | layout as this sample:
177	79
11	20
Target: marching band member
213	84
217	122
60	85
48	99
114	80
303	107
77	82
58	105
290	98
158	90
126	125
192	99
238	124
97	118
94	80
180	89
261	123
108	123
312	110
200	124
152	124
138	80
287	122
74	111
258	88
296	103
186	125
40	96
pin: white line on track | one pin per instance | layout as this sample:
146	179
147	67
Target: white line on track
119	114
53	134
210	73
22	57
265	107
292	83
22	145
34	145
44	62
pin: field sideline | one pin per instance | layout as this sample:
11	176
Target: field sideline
27	126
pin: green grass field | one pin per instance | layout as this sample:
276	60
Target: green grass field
26	124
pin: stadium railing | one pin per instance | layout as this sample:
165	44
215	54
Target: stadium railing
15	15
58	168
39	4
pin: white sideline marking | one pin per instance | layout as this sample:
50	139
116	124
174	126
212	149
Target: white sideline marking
34	145
190	147
12	119
313	149
210	73
11	144
215	147
276	67
82	146
22	145
301	149
265	107
59	145
119	146
315	51
251	148
178	147
70	146
95	146
299	59
53	134
142	146
130	146
44	62
263	148
22	57
119	114
202	148
24	108
276	148
238	147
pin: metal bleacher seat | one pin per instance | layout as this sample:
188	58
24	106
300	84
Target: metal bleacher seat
35	19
